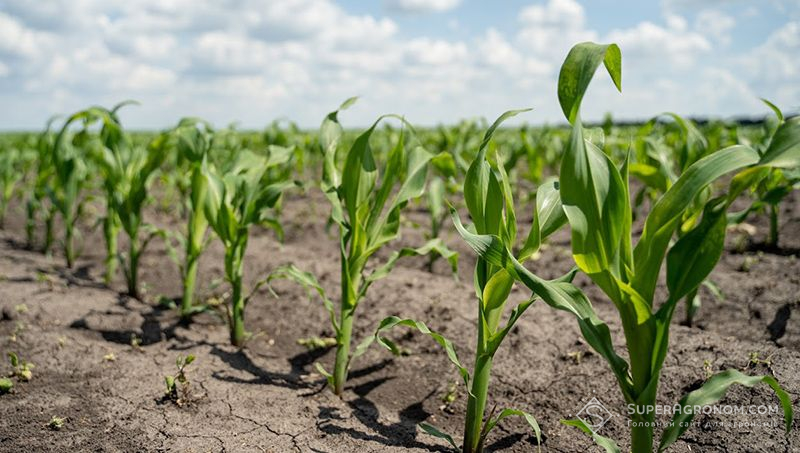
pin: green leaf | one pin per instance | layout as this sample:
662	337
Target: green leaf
393	321
321	370
696	253
329	136
444	164
609	445
5	385
494	297
774	108
712	391
482	192
548	217
651	176
784	149
491	423
667	211
434	246
578	70
594	199
435	432
308	281
12	357
559	294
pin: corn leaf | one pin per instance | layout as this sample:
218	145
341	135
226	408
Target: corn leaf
609	445
712	391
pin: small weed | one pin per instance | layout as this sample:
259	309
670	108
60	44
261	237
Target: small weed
576	356
19	327
136	342
756	360
708	371
448	398
56	423
110	357
20	368
6	385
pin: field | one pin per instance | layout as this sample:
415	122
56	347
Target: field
123	252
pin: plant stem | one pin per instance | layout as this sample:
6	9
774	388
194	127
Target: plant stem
234	263
237	315
476	403
48	232
342	351
133	267
111	232
69	251
772	240
188	287
691	307
30	223
194	246
642	433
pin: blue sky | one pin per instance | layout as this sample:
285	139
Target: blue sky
434	61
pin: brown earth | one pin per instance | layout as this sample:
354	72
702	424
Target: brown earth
268	397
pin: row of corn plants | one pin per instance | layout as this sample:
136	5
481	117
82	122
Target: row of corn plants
228	183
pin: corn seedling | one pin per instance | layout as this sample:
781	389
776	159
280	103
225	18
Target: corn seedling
238	197
489	199
771	184
11	173
367	212
178	384
194	139
127	170
594	193
70	178
38	197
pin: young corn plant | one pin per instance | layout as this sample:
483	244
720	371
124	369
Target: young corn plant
367	211
37	199
71	173
595	198
770	185
127	170
11	174
193	141
658	165
236	198
489	199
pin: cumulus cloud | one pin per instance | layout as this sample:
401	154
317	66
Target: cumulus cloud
255	60
422	6
549	30
715	24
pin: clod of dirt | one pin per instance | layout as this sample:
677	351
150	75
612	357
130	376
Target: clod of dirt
8	313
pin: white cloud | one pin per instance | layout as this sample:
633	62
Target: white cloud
715	24
773	67
255	60
19	40
674	44
422	6
549	30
